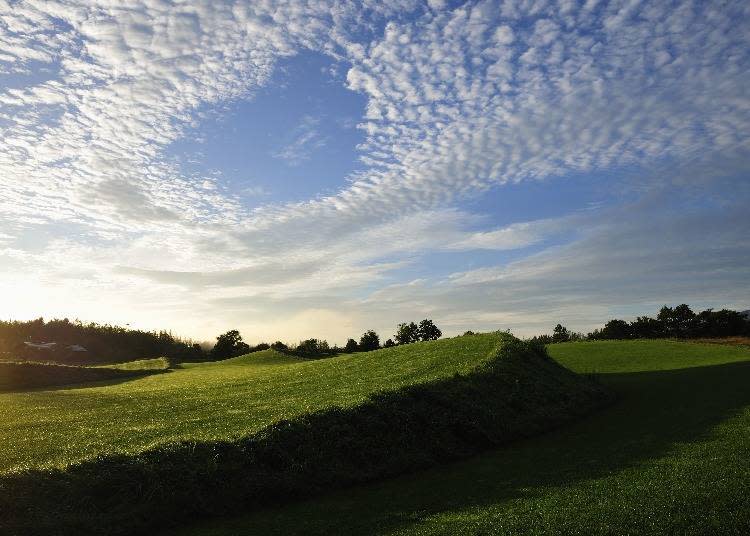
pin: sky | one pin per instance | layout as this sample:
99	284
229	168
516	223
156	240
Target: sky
314	168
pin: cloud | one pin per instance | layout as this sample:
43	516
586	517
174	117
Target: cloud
459	101
306	139
628	261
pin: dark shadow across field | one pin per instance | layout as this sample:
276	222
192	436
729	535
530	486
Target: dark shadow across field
17	378
127	376
657	411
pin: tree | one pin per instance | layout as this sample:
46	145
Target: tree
616	329
389	343
312	348
369	341
677	322
406	333
723	323
560	334
351	346
279	346
645	327
230	344
428	331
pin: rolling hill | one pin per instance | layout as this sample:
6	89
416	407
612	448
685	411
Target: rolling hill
211	439
670	457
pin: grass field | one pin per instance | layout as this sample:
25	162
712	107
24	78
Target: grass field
211	401
289	429
671	457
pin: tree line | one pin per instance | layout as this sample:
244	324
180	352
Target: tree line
230	344
106	343
679	322
103	343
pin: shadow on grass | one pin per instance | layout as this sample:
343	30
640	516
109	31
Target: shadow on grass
23	377
657	410
127	376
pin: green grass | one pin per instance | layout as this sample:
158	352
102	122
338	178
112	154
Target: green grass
427	415
643	355
211	401
157	363
671	457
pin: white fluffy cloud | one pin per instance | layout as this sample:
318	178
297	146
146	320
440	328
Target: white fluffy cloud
458	101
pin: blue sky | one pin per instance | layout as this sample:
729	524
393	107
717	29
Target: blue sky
319	169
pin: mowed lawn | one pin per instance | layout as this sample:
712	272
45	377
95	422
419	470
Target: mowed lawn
671	457
55	427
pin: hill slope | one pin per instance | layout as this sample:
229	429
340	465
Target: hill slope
212	401
435	410
669	458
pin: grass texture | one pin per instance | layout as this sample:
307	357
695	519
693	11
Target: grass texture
670	457
430	413
211	401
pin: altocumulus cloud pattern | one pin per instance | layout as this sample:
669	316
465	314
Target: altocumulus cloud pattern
644	101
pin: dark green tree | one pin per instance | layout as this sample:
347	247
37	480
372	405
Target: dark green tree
616	329
351	346
229	344
406	333
560	334
645	327
428	331
389	343
369	341
677	322
313	348
279	346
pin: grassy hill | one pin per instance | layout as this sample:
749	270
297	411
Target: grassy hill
213	438
212	401
669	458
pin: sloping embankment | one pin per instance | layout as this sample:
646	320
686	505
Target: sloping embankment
20	376
520	393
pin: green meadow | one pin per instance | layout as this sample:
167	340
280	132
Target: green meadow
210	401
479	434
670	457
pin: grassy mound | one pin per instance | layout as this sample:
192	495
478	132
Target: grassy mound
517	393
670	457
212	401
19	376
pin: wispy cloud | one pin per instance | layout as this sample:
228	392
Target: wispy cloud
305	140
